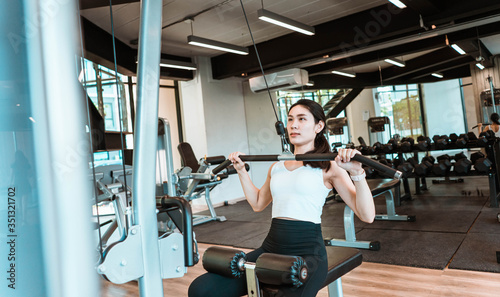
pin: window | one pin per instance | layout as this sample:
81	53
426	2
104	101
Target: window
401	104
107	92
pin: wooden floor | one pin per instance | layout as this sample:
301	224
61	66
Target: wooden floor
370	279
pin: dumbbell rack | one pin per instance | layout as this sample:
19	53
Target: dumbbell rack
492	149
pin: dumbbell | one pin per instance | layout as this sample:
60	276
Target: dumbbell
453	137
462	140
459	156
363	148
370	172
377	147
386	162
406	168
462	166
425	167
443	166
485	137
273	269
390	146
481	163
407	144
423	143
440	142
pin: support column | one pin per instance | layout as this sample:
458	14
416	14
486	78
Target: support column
145	144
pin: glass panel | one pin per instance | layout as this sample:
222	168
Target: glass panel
108	94
402	106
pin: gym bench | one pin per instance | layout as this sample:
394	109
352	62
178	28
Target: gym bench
196	188
378	187
270	269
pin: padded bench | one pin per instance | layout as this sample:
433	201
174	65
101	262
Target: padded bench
378	187
341	260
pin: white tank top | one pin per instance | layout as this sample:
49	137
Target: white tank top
299	194
497	134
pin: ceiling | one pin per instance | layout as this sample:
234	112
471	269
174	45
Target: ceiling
354	35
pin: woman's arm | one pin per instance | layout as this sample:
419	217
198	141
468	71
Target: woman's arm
259	199
356	194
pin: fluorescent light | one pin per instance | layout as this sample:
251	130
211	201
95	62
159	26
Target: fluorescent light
282	21
458	49
438	75
480	66
217	45
310	84
177	64
344	73
396	62
398	3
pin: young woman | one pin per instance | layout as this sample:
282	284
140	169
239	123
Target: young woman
495	125
298	191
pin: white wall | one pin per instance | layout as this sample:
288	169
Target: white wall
354	112
193	116
262	136
214	122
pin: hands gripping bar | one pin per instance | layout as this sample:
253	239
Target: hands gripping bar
313	157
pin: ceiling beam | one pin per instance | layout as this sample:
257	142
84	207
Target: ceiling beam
98	46
87	4
358	30
325	47
457	11
418	64
441	68
424	7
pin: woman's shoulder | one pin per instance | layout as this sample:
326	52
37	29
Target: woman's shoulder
333	171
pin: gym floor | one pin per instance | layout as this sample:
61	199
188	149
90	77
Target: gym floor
376	279
370	279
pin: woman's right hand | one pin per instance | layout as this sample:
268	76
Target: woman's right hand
236	161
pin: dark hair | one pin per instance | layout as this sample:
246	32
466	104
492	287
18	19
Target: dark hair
321	145
495	118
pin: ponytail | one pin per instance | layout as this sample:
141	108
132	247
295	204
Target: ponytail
321	146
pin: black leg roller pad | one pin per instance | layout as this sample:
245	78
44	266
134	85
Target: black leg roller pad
272	271
269	269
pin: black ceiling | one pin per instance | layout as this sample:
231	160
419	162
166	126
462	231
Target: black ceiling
366	37
422	31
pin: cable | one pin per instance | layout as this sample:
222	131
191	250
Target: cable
258	59
96	194
280	130
119	109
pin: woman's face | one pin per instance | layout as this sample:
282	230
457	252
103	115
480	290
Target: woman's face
301	126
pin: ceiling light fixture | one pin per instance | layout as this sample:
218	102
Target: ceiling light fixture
217	45
398	3
438	75
396	62
480	66
344	73
177	64
282	21
458	49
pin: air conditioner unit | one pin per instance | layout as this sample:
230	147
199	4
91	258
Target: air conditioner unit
281	80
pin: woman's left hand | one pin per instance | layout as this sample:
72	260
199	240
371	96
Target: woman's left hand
344	161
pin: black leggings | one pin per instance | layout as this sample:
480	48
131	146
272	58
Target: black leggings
285	237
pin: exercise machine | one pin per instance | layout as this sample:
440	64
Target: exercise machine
378	188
